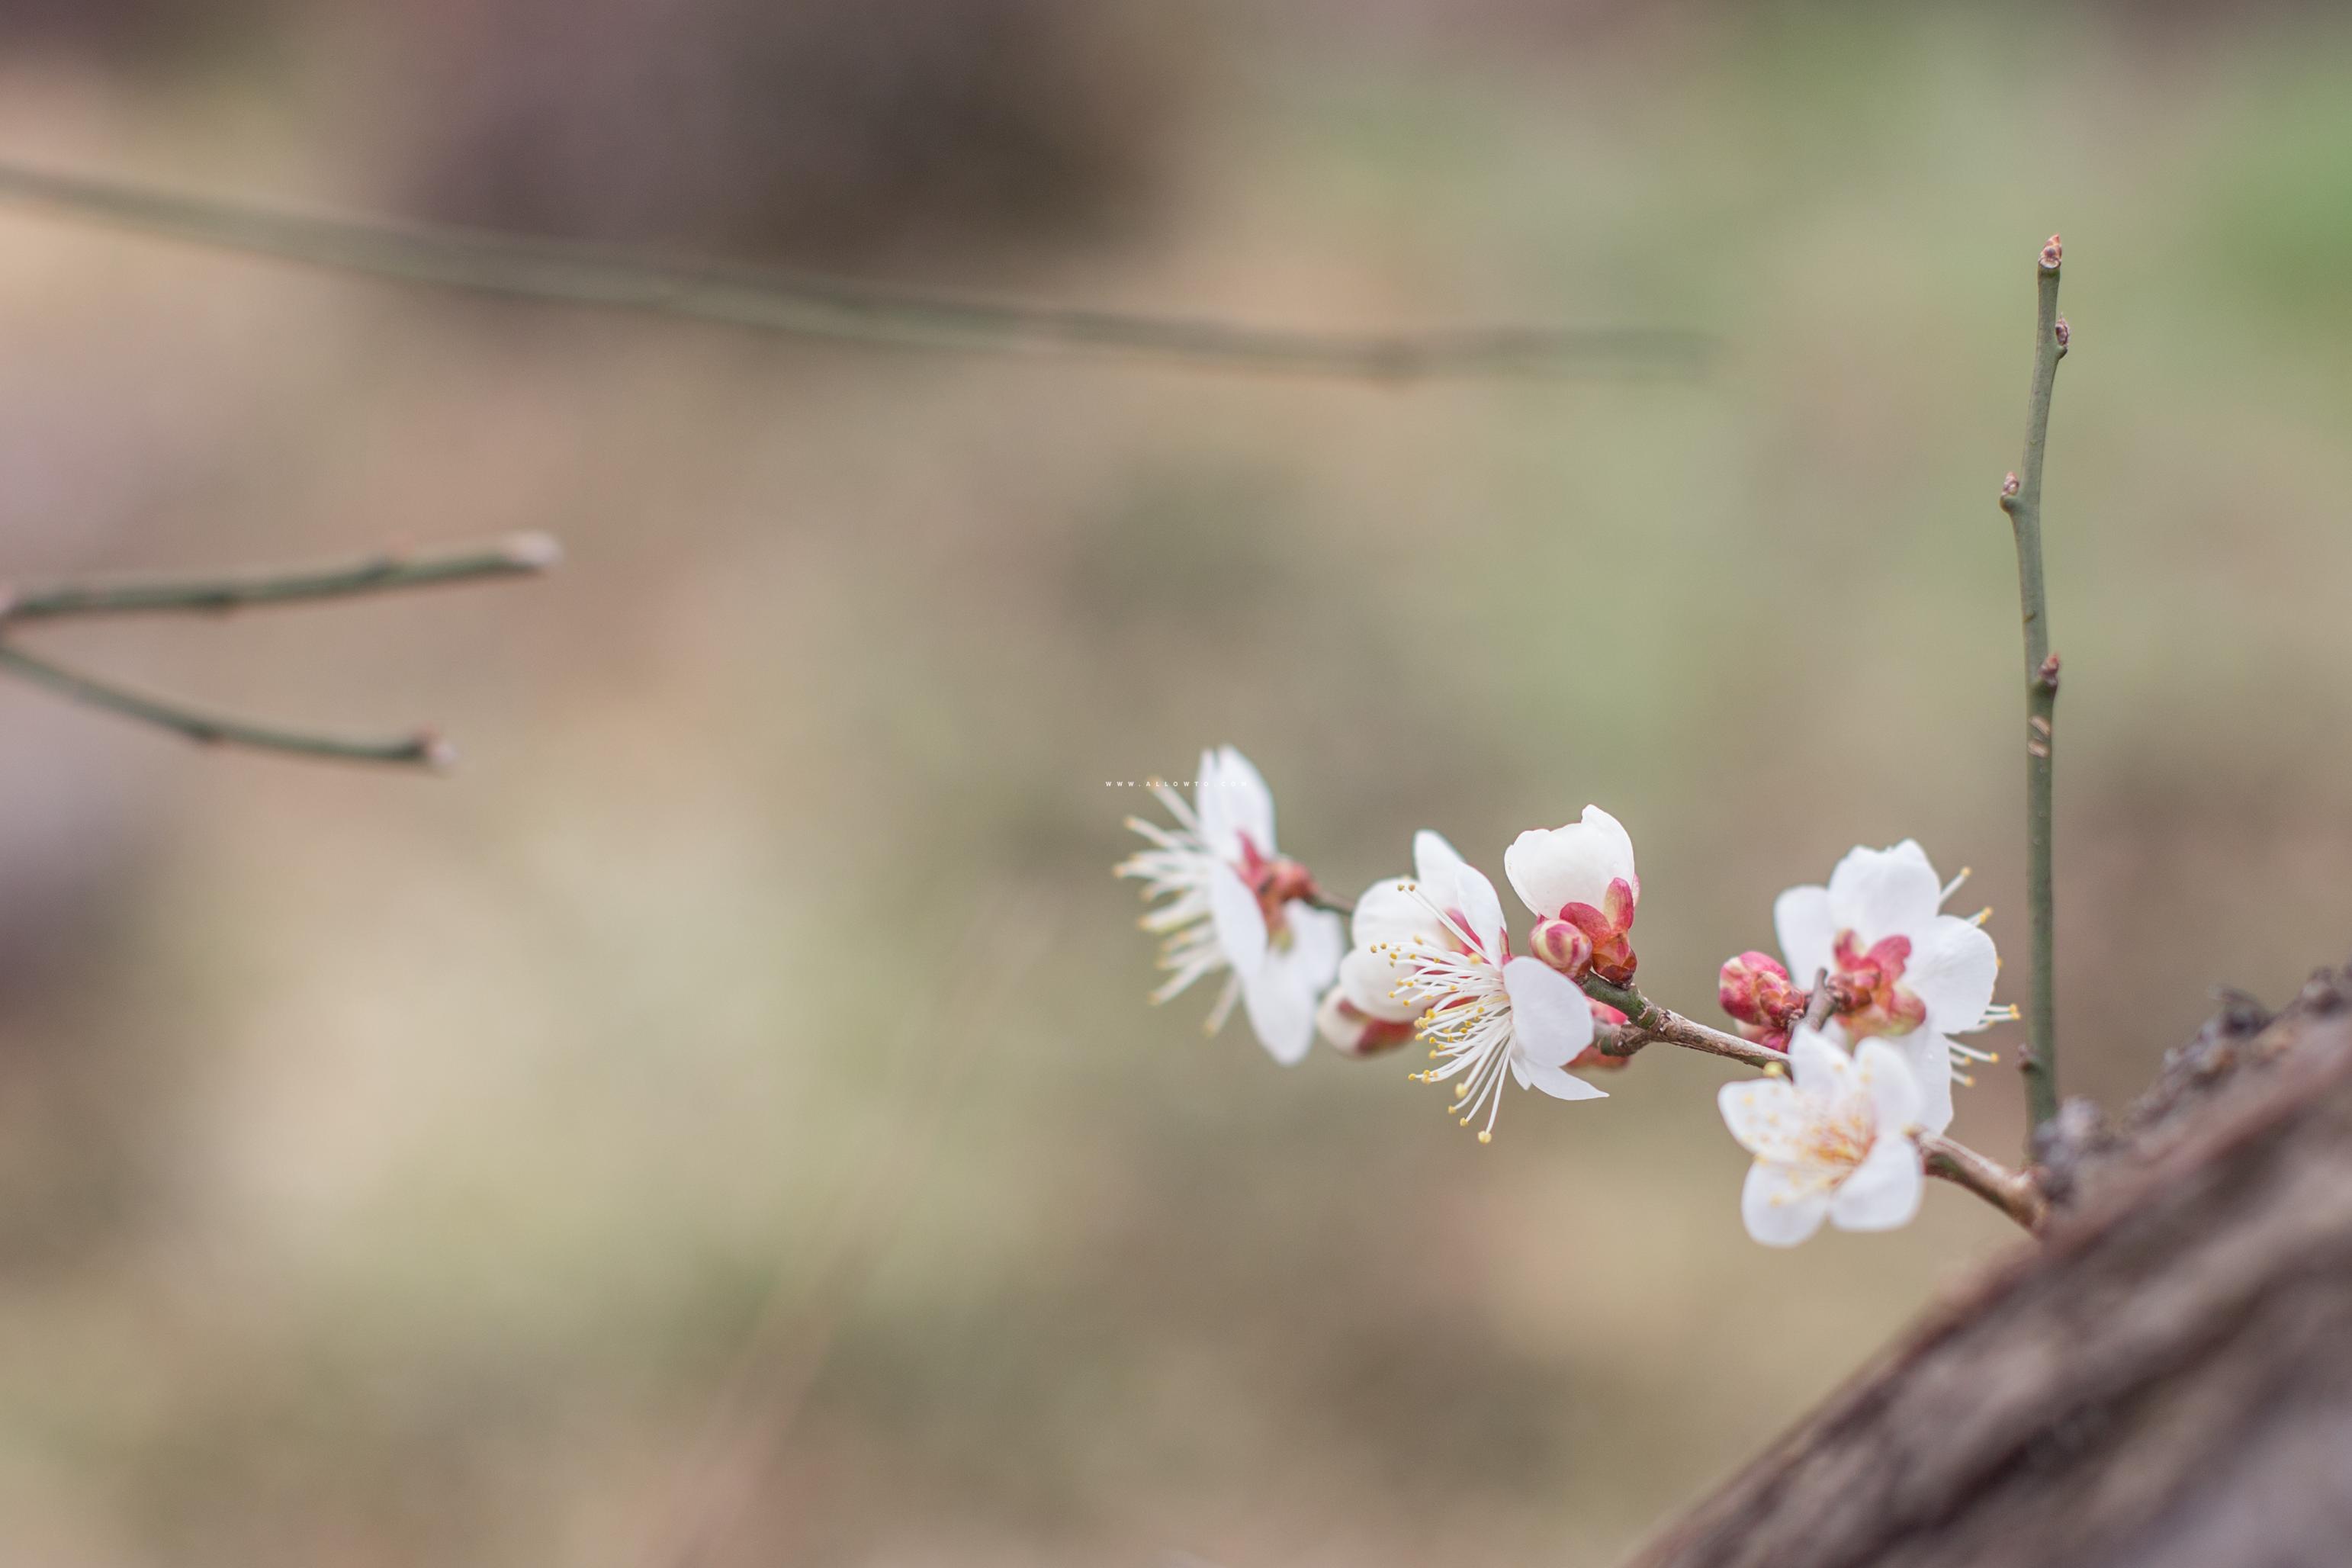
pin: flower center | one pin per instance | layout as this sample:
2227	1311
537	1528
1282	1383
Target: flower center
1870	999
1277	880
1467	1022
1842	1138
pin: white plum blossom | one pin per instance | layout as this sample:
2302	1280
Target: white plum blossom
1897	965
1435	952
1580	883
1368	1011
1839	1143
1234	904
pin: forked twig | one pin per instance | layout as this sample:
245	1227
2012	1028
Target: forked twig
524	555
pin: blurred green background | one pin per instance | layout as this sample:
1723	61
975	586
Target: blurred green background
721	1124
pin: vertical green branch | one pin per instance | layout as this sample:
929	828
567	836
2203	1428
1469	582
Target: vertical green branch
2020	497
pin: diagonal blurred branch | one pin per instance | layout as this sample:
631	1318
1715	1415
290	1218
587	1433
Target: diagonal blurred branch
524	555
809	305
943	1038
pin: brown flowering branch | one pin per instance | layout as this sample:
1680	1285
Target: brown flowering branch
1646	1021
2015	1193
521	555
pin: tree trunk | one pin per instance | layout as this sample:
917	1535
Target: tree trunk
2165	1382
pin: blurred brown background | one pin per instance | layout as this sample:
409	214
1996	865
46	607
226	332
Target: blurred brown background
596	1158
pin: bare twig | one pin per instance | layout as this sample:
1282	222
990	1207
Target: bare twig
522	554
2014	1193
943	1038
821	307
2020	497
421	748
1821	1002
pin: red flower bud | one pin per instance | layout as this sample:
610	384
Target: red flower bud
1563	946
1755	989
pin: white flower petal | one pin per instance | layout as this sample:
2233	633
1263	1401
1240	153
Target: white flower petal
1368	981
1892	1081
1555	1081
1549	868
1435	863
1249	805
1953	968
1550	1019
1240	924
1209	804
1484	909
1387	913
1318	938
1928	1056
1883	1191
1339	1021
1823	1071
1800	918
1781	1203
1281	1007
1767	1116
1885	893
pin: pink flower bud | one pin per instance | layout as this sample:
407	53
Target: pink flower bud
1755	989
1563	946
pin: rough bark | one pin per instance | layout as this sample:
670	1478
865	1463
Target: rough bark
2165	1381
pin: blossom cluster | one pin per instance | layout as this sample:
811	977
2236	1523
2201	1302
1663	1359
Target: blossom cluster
1858	1019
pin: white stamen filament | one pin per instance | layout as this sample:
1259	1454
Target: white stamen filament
1467	1019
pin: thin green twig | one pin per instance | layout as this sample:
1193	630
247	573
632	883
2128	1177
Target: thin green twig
821	307
2020	497
422	748
521	555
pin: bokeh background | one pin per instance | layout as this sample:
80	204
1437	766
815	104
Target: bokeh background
720	1125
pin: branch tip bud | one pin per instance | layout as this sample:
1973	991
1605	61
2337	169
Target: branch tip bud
2052	254
436	750
535	552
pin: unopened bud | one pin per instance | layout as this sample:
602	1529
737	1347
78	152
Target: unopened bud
1562	947
2048	673
2064	333
1592	1058
2052	254
2008	487
1756	990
